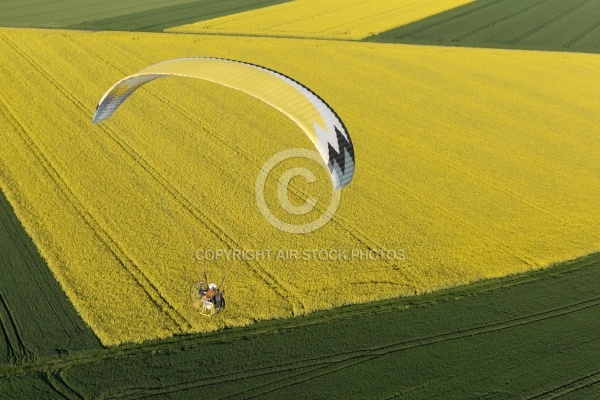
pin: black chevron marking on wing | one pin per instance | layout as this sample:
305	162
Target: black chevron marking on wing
344	146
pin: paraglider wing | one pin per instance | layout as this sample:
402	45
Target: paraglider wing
309	111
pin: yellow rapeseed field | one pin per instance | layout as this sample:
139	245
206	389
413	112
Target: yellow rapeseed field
333	19
476	163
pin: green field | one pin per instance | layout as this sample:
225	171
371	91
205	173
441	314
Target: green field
556	25
528	336
36	318
131	15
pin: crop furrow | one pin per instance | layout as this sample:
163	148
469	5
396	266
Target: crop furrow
365	354
360	356
547	22
204	382
111	245
339	361
10	351
204	219
506	17
448	19
310	375
581	383
60	387
17	349
488	328
514	369
581	35
248	374
8	331
282	383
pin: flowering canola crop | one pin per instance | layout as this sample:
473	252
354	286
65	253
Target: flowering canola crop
471	164
336	19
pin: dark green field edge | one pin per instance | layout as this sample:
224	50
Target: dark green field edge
159	19
533	335
37	320
555	25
